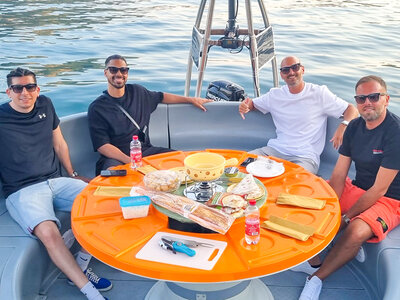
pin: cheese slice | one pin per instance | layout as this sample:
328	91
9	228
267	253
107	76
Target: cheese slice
246	186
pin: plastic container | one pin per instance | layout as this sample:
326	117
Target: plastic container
162	180
231	171
136	152
252	227
135	206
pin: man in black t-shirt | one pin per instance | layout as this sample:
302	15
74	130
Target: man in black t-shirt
371	203
31	142
111	130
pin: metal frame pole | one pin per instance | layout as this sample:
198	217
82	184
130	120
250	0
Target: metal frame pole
253	49
273	61
204	53
190	60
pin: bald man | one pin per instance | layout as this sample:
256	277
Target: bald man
300	111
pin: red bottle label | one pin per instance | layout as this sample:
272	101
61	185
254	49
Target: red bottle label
252	226
136	156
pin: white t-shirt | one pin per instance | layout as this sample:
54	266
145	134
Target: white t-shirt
300	119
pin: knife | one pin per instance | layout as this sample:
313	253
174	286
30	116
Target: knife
188	243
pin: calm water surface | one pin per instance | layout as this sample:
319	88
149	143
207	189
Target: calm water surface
66	42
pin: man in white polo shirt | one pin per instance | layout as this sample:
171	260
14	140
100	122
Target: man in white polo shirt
300	111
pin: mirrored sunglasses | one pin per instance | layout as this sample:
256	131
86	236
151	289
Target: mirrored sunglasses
295	68
114	70
374	97
18	88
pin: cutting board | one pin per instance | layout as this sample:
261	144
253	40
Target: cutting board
205	257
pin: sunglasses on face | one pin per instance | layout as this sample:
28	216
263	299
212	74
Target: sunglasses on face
18	88
295	68
114	70
374	97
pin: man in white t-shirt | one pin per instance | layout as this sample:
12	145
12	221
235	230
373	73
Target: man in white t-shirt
300	111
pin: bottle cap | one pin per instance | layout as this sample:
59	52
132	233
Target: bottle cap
135	137
252	202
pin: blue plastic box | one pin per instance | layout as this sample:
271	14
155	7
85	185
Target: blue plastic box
135	206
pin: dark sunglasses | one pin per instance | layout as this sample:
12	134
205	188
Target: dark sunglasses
374	97
18	88
295	68
114	70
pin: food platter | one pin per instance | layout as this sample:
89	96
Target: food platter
260	201
265	169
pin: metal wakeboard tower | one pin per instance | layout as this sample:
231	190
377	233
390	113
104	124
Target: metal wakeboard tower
260	42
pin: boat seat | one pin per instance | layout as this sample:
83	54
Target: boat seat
84	158
330	155
23	260
379	271
221	127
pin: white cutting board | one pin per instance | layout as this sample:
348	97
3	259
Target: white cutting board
152	251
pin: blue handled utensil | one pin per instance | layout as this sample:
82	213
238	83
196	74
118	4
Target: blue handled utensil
176	247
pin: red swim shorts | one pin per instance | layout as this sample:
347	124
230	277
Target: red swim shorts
382	217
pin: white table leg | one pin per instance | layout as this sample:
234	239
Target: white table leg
255	290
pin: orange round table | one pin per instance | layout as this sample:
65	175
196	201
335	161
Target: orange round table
100	228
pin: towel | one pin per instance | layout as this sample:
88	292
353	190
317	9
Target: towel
301	201
289	228
117	191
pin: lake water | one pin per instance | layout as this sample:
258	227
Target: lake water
66	43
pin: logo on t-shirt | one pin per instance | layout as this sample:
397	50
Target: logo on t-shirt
377	151
42	116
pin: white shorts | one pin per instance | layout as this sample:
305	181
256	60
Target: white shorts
36	203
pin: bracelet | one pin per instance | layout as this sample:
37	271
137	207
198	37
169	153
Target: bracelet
345	123
346	219
74	174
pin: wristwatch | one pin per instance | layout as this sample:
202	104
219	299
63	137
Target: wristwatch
74	174
346	219
345	123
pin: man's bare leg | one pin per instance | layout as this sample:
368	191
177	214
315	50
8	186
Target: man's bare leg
50	236
346	248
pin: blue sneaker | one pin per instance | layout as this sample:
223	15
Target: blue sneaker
101	284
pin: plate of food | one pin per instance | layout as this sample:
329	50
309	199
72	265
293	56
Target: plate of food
237	195
265	168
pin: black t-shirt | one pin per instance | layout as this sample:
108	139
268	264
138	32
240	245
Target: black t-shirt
26	154
109	125
370	149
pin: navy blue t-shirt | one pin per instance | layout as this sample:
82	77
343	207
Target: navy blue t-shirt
370	149
26	154
109	125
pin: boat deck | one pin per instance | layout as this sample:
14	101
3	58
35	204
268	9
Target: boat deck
286	285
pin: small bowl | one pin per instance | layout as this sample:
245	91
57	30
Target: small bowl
231	171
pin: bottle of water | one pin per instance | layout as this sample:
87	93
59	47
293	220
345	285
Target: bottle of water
252	230
136	153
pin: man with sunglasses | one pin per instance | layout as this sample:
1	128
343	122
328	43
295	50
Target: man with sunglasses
371	202
300	111
31	142
111	129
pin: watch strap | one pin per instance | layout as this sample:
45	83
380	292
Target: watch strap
346	219
345	123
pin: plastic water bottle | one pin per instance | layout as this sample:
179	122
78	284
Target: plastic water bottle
136	153
252	229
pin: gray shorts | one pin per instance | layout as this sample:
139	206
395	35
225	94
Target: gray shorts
306	163
36	203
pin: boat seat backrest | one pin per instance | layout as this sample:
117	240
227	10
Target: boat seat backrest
220	127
